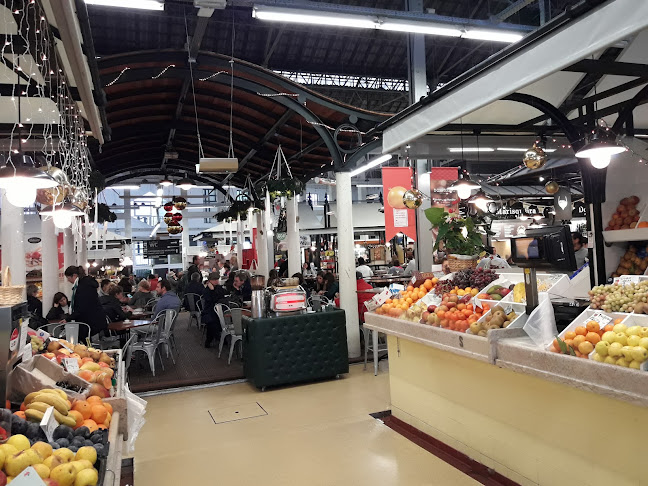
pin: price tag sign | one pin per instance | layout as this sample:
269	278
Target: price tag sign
49	424
431	299
395	288
29	477
413	281
71	365
601	318
382	297
24	327
371	305
27	353
628	279
508	309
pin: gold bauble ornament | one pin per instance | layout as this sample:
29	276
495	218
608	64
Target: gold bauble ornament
168	218
413	199
535	157
552	187
174	228
180	203
53	195
395	197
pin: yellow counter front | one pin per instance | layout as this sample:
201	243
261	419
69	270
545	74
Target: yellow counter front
529	429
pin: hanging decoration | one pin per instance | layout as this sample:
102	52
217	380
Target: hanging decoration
168	217
247	199
174	228
177	217
413	198
104	215
281	231
168	207
552	187
180	203
535	157
278	186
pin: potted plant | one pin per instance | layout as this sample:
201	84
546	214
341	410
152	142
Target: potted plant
460	237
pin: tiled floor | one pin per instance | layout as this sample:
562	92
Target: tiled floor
313	435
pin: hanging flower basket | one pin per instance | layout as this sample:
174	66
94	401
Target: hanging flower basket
279	186
104	215
96	180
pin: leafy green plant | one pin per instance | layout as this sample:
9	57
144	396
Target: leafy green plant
287	187
105	215
459	235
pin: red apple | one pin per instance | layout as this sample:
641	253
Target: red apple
3	479
425	315
432	308
451	305
49	355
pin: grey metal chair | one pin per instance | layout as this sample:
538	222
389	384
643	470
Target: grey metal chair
127	351
227	318
150	342
167	338
70	330
194	304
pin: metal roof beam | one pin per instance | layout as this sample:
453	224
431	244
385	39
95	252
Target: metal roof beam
595	66
512	9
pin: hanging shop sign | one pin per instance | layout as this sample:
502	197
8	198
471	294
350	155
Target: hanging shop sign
509	228
579	210
304	241
509	211
442	197
563	205
160	248
398	218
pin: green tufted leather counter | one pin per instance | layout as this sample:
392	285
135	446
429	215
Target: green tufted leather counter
291	349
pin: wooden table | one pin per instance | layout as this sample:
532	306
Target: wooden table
385	281
118	326
142	315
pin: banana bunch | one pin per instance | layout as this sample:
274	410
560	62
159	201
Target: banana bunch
38	402
519	292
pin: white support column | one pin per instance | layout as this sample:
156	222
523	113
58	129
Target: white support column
49	235
424	243
261	245
346	262
292	238
240	236
69	258
128	223
185	235
269	241
12	236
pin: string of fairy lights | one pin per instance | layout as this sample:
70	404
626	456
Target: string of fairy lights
39	77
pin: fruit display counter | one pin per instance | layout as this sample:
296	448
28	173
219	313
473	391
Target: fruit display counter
535	413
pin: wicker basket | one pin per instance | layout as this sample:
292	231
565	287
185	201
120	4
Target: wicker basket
10	294
455	264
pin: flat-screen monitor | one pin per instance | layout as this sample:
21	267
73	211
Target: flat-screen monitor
547	247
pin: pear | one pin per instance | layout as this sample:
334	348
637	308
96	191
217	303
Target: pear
87	477
64	475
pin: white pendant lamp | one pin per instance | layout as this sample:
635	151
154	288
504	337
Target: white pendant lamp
599	149
21	179
481	200
464	186
62	214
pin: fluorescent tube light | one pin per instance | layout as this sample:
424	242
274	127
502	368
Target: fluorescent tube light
298	16
517	149
492	35
419	28
136	4
124	187
368	185
380	160
470	149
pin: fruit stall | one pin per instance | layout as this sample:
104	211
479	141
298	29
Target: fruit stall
465	371
66	416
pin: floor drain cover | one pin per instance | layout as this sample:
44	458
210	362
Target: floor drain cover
238	412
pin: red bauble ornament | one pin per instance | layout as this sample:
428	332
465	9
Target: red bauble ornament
177	217
168	207
180	202
174	228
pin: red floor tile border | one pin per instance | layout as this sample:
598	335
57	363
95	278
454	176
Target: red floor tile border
465	464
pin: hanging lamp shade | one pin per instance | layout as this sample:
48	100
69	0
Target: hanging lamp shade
62	214
166	182
600	147
481	200
20	173
464	186
185	183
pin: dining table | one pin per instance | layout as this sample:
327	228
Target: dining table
128	324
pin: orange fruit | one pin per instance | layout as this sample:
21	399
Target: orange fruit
91	424
99	413
581	330
86	375
556	345
593	337
609	327
586	347
428	284
410	288
108	419
76	415
20	414
570	335
578	340
93	400
108	408
84	408
593	326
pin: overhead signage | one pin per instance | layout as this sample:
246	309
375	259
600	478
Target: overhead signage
160	248
579	211
398	218
563	205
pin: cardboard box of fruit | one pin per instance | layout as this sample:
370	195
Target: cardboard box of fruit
500	316
38	373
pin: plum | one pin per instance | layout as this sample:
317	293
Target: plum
63	442
63	431
82	432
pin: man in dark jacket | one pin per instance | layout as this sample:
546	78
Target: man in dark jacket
112	304
84	305
213	294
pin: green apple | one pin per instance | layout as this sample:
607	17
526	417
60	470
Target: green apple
639	353
633	331
621	338
608	336
635	365
644	332
597	357
634	340
615	350
644	342
609	360
620	328
602	348
622	362
65	474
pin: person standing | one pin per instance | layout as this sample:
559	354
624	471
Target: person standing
411	264
580	249
234	263
364	269
84	304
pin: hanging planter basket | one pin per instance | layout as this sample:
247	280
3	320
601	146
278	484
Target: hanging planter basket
278	185
104	215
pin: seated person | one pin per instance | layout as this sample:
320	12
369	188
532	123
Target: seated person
58	312
213	294
168	298
34	305
331	286
103	287
362	296
195	285
273	278
126	285
364	269
112	304
142	296
396	268
241	288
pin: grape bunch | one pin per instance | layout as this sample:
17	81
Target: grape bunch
444	287
478	278
620	298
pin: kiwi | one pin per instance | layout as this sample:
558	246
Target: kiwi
475	327
496	321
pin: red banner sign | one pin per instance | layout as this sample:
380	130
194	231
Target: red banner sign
398	219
